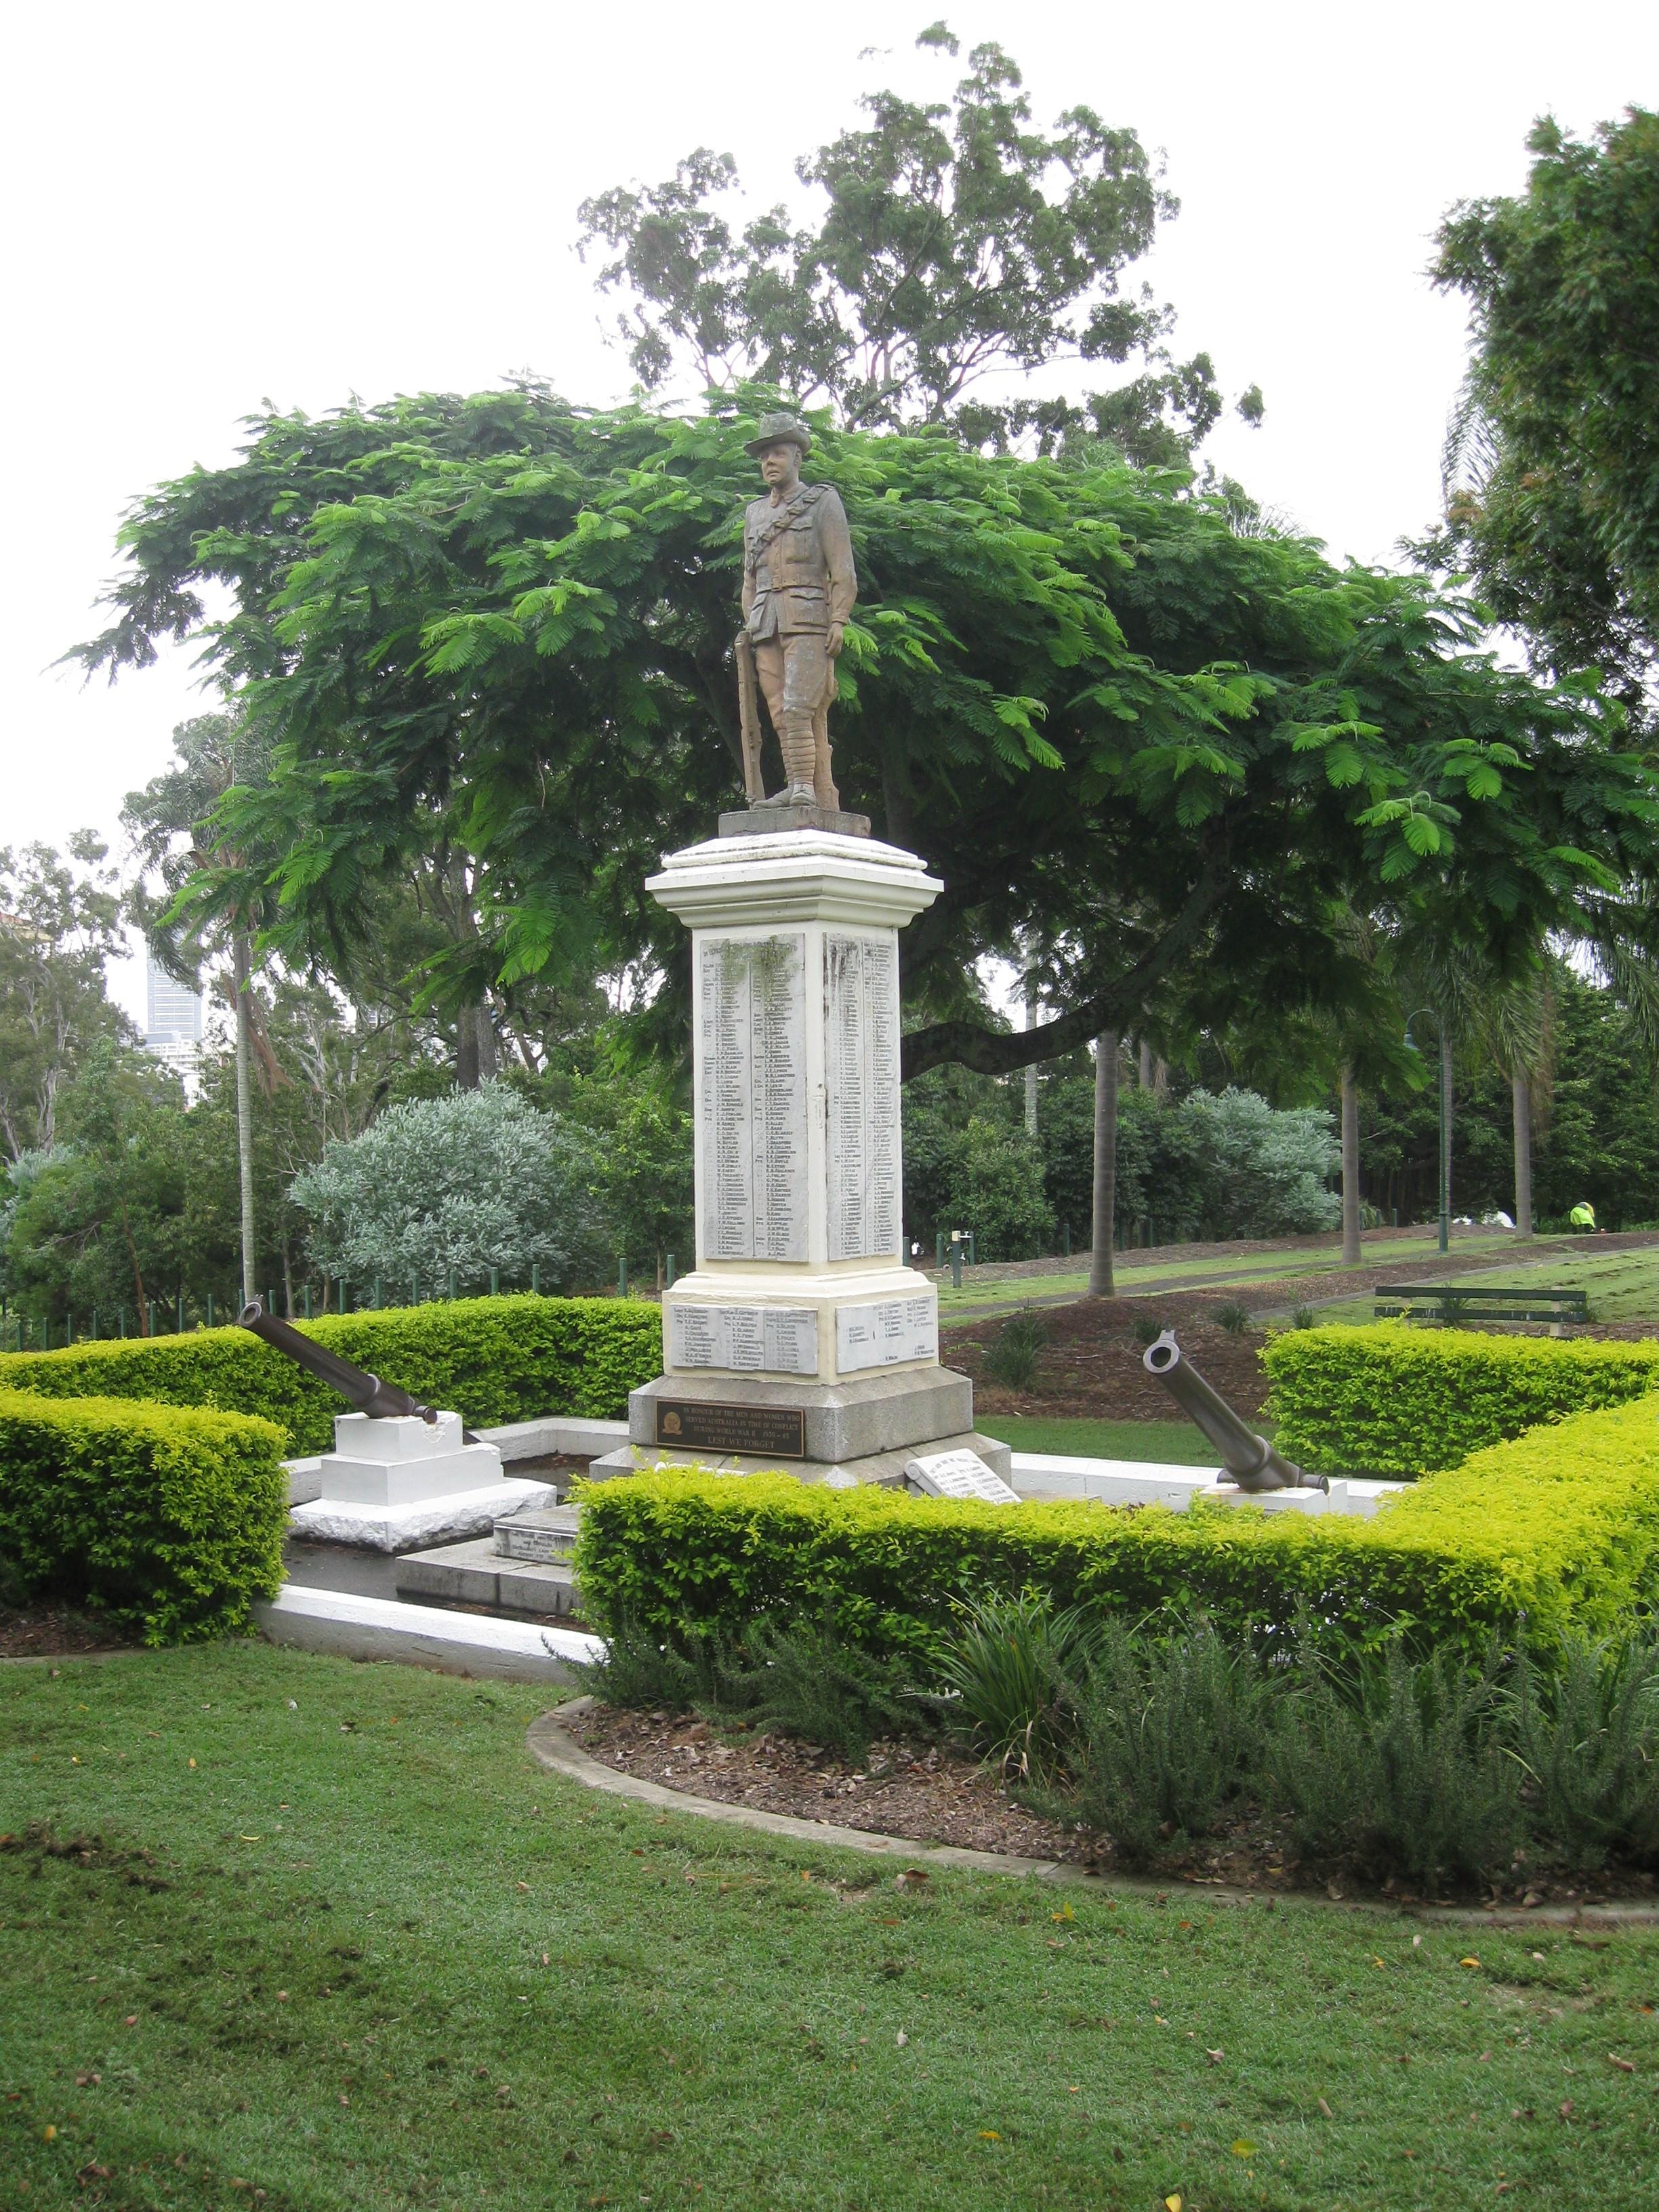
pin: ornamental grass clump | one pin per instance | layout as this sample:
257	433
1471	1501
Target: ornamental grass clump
1008	1672
1014	1355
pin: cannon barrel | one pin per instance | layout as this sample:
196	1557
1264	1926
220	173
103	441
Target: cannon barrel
1250	1459
382	1401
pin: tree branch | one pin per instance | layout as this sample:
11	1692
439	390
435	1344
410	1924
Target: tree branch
1114	1005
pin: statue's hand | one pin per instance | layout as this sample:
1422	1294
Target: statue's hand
832	639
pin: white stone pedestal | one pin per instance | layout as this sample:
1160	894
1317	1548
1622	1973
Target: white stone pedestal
392	1484
802	1339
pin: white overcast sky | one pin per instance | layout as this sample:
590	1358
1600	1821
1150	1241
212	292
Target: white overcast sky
212	205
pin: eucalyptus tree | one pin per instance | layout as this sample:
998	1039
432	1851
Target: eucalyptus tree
951	242
60	922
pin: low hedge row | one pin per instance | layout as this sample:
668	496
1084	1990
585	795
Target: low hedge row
490	1360
1561	1527
169	1522
1397	1400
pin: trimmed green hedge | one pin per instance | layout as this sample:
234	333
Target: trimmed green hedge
1395	1401
1562	1527
169	1522
490	1360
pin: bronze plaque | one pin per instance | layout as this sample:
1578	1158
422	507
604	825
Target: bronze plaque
758	1431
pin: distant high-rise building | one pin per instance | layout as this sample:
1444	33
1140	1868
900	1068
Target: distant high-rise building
175	1011
173	1030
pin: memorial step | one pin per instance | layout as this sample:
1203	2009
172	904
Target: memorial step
477	1574
546	1536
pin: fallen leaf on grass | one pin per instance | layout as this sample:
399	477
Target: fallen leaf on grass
1624	2065
912	1878
1172	2203
1326	2109
989	2135
1215	2057
48	2133
1468	1962
902	2039
1243	2148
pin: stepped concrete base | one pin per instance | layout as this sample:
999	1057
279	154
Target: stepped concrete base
843	1420
477	1574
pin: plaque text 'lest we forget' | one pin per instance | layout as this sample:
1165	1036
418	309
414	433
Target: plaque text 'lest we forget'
751	1136
861	1070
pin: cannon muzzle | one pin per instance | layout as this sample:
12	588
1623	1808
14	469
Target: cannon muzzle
382	1401
1250	1459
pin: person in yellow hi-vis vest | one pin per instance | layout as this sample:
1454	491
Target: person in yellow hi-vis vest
1583	1216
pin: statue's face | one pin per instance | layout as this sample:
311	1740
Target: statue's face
779	464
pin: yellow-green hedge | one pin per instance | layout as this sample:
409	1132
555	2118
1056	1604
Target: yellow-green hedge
169	1522
1560	1528
1395	1401
490	1360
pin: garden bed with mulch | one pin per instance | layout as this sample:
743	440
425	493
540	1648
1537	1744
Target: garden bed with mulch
1091	1368
54	1631
930	1793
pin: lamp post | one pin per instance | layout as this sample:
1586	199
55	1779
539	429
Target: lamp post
1444	1178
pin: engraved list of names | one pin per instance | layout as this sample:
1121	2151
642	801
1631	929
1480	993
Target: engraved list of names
861	1067
751	1136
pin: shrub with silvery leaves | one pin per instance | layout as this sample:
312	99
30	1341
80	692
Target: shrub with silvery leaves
479	1180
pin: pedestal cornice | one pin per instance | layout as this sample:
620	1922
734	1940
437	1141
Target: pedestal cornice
793	876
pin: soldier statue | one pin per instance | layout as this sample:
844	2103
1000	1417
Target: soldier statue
799	587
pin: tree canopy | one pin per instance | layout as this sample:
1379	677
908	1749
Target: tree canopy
951	242
1174	758
1552	495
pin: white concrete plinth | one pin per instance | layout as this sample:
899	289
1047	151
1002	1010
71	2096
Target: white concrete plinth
392	1484
403	1462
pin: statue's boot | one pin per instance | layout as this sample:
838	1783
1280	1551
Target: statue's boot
800	749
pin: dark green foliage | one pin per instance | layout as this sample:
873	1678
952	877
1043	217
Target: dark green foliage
1107	719
801	1678
491	1360
1169	1733
1015	1353
1302	1317
1406	1774
167	1523
1232	1316
1147	1330
1586	1733
1400	1401
1009	1665
1555	501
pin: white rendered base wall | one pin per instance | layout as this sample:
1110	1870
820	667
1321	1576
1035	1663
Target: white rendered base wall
1150	1482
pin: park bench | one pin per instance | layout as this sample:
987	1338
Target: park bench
1450	1302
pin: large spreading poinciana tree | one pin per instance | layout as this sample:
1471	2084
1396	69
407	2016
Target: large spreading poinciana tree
1169	759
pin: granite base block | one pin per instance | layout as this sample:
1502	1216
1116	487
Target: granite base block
846	1420
885	1469
477	1574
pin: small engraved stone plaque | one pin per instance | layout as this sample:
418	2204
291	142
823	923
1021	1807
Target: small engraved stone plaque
757	1431
886	1333
772	1339
959	1474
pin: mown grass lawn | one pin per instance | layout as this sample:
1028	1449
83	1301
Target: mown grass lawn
339	1944
1176	1443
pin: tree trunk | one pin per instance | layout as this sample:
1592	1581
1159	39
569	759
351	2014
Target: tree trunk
1145	1065
476	1058
1101	1285
1445	1125
241	959
1350	1170
1031	1071
1521	1090
1160	1078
